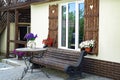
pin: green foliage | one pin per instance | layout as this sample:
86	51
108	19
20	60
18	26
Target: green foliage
71	23
81	29
81	25
70	36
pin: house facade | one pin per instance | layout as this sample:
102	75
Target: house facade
64	18
108	46
108	40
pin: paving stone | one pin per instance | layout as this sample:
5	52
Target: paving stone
15	73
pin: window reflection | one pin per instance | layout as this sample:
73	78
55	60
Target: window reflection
81	22
63	42
71	25
72	19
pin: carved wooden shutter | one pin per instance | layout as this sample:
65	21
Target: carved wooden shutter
91	22
53	24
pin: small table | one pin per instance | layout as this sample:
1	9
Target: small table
26	59
30	49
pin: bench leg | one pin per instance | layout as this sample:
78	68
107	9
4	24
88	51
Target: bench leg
34	66
37	66
74	77
74	73
44	71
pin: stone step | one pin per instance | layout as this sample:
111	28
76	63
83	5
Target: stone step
13	62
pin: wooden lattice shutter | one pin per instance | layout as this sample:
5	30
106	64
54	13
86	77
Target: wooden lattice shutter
91	22
53	24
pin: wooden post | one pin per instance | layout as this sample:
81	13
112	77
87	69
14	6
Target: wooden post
16	26
8	34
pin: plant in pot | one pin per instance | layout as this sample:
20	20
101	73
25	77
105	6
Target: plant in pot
47	42
87	45
30	44
31	40
19	54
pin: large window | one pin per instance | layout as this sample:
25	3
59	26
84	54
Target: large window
71	25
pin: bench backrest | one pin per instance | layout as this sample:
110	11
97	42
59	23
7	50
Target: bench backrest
63	54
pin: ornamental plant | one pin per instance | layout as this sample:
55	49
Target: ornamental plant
18	53
47	42
87	44
30	36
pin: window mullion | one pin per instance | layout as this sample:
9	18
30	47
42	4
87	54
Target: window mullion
59	35
76	27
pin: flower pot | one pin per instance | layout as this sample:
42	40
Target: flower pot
88	49
31	44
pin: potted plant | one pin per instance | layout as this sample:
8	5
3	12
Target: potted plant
31	44
87	45
19	54
31	40
47	42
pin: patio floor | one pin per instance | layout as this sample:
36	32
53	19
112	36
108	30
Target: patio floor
16	72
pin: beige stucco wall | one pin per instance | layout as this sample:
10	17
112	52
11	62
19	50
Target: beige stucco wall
3	38
109	22
109	32
39	22
12	35
109	17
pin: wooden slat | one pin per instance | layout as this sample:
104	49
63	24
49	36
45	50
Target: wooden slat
57	58
91	22
2	3
16	4
18	42
53	24
3	21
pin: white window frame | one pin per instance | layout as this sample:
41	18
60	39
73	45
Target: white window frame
76	25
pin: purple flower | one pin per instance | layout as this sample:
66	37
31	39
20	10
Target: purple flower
30	36
18	53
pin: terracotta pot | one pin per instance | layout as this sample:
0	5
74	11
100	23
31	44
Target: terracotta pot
88	49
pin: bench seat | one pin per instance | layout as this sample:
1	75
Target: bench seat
60	59
53	62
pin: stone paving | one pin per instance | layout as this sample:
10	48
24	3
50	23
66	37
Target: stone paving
16	72
4	66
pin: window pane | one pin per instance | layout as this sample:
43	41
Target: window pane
71	25
81	22
63	33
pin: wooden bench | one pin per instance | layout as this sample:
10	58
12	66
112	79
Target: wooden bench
64	60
